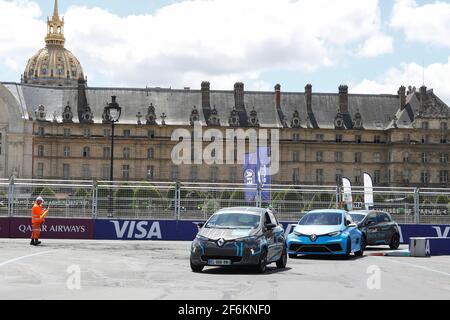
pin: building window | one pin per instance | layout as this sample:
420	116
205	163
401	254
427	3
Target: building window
377	157
125	172
40	170
339	138
40	151
425	139
66	151
126	133
424	157
66	171
444	138
443	158
41	131
357	176
296	156
319	156
174	173
377	177
126	153
296	175
151	134
425	125
150	153
407	138
319	137
406	157
214	174
358	157
338	156
443	176
232	175
150	172
338	176
377	139
87	133
86	171
106	172
86	152
358	139
424	177
66	132
107	133
194	174
444	126
319	176
106	153
296	137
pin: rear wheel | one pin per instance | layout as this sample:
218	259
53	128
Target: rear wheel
395	242
282	262
196	268
262	265
292	256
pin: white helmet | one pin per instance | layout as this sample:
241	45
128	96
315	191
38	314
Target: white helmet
40	199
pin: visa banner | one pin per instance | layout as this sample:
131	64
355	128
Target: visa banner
4	227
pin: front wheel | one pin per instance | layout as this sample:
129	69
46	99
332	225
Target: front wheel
395	242
282	262
360	253
262	265
349	249
196	268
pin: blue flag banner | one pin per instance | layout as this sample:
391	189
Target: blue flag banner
257	174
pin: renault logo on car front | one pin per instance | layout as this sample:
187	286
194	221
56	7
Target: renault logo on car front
220	242
313	237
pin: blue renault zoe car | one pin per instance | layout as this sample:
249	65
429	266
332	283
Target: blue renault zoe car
325	232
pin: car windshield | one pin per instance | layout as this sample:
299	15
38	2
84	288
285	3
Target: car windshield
233	221
357	217
321	219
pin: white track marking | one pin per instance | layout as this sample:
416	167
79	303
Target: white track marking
25	257
415	266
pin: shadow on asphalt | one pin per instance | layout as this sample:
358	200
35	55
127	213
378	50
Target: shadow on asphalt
372	249
328	257
243	271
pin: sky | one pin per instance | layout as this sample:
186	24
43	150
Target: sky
373	46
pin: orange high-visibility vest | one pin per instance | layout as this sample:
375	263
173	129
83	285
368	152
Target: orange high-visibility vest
36	213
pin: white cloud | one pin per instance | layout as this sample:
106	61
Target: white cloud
222	41
437	76
377	45
428	23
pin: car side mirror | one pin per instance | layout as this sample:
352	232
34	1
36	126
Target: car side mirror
371	223
270	226
200	225
352	225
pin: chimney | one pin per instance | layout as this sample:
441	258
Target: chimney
82	99
308	98
206	97
423	94
343	98
402	96
278	96
239	95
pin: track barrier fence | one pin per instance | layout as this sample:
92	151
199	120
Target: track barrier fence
198	201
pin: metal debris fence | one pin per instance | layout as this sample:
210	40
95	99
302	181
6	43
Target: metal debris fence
198	201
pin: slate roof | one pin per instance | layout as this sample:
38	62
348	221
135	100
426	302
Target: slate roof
377	111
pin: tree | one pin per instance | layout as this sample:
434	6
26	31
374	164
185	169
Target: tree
143	197
124	198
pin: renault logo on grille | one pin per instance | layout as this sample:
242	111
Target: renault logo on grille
313	237
220	242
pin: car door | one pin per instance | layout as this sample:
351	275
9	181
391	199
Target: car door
372	228
354	235
270	237
278	234
384	225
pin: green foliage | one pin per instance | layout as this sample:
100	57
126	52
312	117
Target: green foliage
82	193
37	191
144	197
124	198
442	199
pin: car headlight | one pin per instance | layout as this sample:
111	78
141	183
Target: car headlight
335	234
199	237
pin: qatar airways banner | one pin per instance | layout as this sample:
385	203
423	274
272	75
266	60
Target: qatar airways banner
53	228
4	227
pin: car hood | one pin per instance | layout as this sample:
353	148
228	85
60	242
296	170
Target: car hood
226	234
317	230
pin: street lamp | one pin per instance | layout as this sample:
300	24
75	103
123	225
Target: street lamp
113	112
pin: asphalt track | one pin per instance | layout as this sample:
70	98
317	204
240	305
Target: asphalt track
160	270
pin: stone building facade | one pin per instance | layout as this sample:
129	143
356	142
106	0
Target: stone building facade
55	128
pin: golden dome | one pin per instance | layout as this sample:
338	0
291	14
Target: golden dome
53	65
